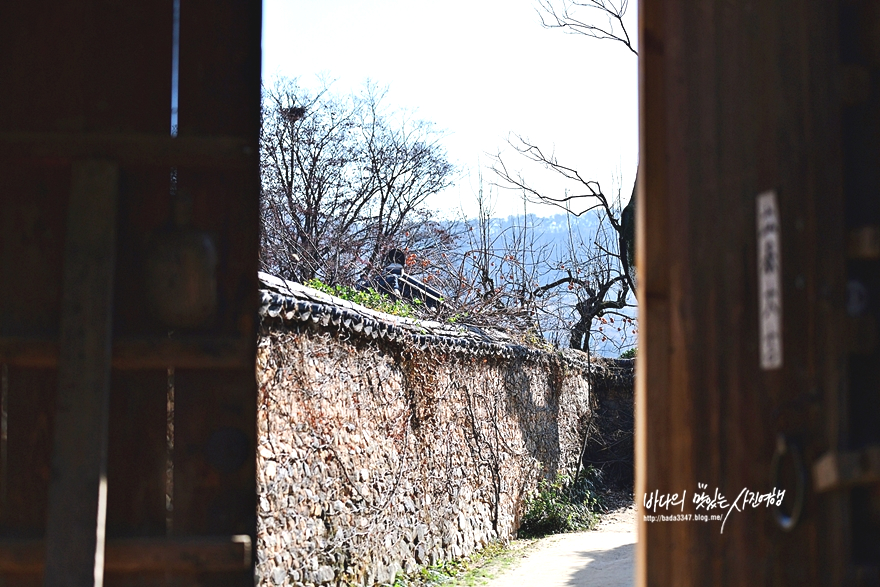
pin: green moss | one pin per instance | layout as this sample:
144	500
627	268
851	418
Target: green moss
478	569
369	298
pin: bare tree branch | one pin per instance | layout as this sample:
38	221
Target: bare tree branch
597	271
343	180
565	17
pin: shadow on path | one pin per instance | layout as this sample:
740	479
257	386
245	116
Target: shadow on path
609	568
583	559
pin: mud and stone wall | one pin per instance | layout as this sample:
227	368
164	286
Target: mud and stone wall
609	443
382	454
374	460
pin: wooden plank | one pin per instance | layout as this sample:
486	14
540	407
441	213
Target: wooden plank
734	101
31	415
652	367
215	412
827	243
32	229
77	491
861	334
136	455
186	353
85	66
138	149
215	458
854	415
139	353
31	403
140	555
185	555
102	70
220	95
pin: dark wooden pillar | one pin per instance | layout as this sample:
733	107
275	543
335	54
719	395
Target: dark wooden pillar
91	81
738	99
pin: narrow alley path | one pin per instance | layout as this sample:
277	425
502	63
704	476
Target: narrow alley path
604	557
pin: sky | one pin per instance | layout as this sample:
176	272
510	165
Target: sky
479	70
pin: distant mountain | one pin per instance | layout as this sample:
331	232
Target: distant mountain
549	229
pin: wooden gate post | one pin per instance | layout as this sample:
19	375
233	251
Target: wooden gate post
78	486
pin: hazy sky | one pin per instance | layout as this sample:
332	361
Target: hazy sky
479	69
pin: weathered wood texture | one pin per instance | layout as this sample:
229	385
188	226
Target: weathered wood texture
138	353
143	555
737	99
130	148
215	431
89	79
87	67
858	421
77	491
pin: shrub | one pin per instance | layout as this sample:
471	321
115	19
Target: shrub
562	505
629	353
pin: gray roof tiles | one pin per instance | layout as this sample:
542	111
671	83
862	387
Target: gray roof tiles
294	303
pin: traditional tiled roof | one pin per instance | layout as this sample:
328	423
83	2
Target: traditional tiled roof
293	303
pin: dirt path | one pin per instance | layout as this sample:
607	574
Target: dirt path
604	557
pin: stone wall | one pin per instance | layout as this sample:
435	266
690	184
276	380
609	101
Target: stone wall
380	454
609	442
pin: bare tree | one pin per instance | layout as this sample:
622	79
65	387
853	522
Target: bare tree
487	270
599	288
495	272
596	270
343	179
405	165
310	189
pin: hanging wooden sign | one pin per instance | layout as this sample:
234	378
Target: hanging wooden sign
769	282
